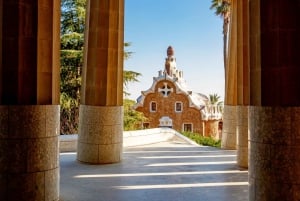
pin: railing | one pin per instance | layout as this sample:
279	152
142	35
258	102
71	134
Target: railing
212	112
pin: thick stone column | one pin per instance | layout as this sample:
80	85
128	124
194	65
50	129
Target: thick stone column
243	79
274	168
229	115
274	114
101	113
29	100
29	166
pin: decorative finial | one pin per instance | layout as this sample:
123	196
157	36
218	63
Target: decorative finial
170	51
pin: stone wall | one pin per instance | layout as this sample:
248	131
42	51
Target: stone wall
68	143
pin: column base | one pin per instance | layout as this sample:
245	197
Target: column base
274	158
100	138
242	136
229	128
29	152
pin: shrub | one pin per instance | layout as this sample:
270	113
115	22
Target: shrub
199	139
133	120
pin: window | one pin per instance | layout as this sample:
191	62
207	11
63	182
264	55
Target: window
146	125
178	106
153	106
188	127
165	90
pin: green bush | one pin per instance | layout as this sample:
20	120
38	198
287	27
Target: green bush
133	119
199	139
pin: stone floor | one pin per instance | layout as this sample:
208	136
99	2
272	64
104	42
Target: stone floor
167	171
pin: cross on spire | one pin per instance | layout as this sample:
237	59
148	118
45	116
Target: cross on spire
166	90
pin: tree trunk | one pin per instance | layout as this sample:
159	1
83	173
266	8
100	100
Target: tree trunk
225	33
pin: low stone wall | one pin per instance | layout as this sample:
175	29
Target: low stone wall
68	143
150	136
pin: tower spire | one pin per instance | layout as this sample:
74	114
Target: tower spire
170	64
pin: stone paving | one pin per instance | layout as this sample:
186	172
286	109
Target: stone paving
167	171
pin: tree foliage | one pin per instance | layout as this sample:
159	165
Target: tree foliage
71	54
222	9
127	54
133	120
129	77
72	16
215	99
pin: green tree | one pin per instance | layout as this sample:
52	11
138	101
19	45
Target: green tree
72	16
215	99
133	120
127	54
222	9
129	76
72	40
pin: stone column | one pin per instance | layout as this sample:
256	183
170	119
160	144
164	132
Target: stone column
229	114
212	129
274	114
101	111
229	127
243	86
29	100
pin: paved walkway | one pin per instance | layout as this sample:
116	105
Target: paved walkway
168	171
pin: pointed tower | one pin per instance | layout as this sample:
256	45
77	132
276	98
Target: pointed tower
170	64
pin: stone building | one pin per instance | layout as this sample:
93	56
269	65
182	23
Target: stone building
169	103
262	95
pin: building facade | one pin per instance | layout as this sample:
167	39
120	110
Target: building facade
169	103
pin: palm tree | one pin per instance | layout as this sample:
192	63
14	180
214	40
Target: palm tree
215	104
127	54
222	9
214	99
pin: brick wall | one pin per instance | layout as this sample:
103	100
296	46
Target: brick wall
166	107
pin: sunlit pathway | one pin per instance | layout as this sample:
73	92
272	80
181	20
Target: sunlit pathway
169	171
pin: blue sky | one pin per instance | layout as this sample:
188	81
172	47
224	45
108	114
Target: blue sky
190	27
